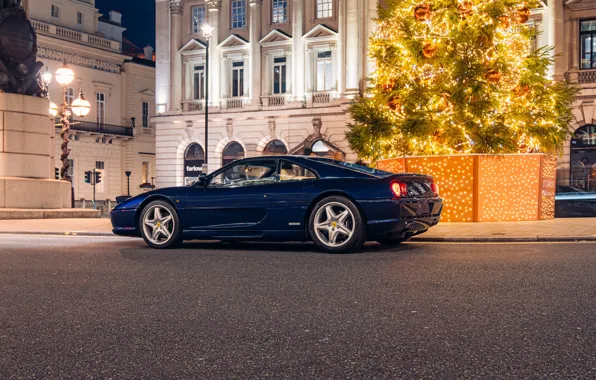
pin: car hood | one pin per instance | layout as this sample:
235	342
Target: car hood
134	202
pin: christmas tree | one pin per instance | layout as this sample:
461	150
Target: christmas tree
459	77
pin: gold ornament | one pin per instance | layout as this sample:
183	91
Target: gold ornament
523	15
422	12
444	102
429	49
504	22
522	90
465	8
493	76
394	103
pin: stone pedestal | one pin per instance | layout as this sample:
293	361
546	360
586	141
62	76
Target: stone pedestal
27	156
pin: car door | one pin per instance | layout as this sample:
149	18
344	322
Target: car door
235	199
291	197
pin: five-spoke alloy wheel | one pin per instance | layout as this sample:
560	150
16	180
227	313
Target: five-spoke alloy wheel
159	225
336	225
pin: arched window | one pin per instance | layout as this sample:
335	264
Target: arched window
232	152
274	148
194	158
583	158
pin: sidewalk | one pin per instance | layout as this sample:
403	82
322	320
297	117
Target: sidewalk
572	229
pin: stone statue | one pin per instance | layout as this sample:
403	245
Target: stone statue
20	73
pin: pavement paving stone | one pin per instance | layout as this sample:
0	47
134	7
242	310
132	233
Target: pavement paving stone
556	229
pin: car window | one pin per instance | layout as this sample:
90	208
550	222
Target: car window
246	174
292	172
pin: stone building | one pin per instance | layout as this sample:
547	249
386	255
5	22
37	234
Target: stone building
120	88
281	75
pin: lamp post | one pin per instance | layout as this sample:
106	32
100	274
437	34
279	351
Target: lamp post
128	180
80	107
207	33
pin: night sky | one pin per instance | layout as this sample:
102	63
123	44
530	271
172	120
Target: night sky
138	17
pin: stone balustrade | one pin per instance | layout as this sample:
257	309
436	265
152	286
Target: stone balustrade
74	35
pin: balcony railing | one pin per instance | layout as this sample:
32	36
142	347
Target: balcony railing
99	128
234	103
588	76
321	97
74	35
193	105
274	101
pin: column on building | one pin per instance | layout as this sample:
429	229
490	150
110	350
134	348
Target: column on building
558	29
163	56
353	47
255	52
574	42
176	10
214	7
341	48
371	28
298	51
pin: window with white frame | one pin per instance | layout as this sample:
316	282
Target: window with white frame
279	75
55	11
238	13
70	95
198	82
145	172
79	18
100	168
324	71
145	110
279	11
198	18
101	108
324	8
237	78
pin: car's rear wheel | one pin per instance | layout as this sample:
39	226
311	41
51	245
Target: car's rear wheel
336	226
160	225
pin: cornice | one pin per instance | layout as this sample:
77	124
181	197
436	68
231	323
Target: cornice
79	60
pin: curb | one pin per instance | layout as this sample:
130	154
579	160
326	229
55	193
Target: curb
539	239
74	233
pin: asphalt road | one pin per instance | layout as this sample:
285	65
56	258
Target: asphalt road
74	307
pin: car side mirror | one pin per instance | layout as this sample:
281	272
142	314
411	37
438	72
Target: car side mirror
202	180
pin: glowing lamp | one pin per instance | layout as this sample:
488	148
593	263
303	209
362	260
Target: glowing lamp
53	109
207	31
47	77
80	106
64	75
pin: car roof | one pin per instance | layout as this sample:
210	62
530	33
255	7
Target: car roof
322	168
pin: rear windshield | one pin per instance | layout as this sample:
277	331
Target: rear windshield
358	168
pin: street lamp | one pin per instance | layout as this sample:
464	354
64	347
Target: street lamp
80	107
128	173
207	33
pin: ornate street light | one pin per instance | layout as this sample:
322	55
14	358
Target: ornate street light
80	107
207	33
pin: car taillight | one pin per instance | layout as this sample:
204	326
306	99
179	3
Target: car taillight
435	188
399	189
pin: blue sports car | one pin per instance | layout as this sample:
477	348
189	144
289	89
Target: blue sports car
337	205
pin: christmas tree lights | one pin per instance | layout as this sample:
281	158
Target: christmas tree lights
456	77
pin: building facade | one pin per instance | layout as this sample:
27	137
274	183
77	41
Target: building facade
574	26
117	135
282	73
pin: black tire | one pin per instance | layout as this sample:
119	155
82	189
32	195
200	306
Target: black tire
351	244
176	233
391	240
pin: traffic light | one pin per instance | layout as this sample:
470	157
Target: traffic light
57	173
88	177
97	177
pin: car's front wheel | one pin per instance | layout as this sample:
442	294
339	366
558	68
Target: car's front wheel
160	226
336	225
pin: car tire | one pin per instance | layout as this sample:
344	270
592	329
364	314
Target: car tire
160	226
336	226
391	240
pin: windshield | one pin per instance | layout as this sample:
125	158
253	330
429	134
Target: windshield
358	168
